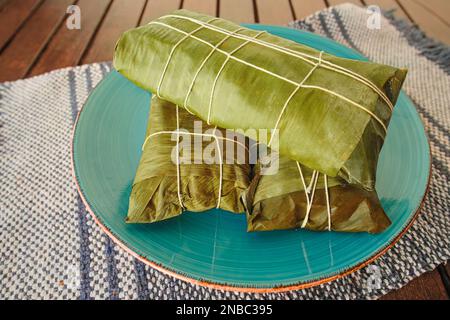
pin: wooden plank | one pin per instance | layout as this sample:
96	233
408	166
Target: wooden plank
3	3
239	11
440	8
12	15
121	16
429	286
24	49
203	6
337	2
157	8
389	5
444	271
274	12
67	46
304	8
427	21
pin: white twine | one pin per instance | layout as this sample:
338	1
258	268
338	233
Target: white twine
219	152
314	178
302	178
327	197
222	67
187	35
274	74
293	94
311	189
303	56
202	65
349	101
178	162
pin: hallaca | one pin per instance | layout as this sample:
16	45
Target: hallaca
298	197
186	168
330	114
326	116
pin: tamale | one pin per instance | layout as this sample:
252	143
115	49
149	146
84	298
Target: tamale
162	189
280	201
234	77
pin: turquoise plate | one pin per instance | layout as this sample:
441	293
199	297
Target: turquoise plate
213	248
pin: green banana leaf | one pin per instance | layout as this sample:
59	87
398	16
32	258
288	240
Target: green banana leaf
154	195
194	61
276	202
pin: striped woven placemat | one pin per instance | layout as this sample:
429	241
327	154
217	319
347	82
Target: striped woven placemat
51	248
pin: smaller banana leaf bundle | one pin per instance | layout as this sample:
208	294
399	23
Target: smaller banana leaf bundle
171	178
298	197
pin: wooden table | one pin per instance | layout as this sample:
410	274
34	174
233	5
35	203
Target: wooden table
34	39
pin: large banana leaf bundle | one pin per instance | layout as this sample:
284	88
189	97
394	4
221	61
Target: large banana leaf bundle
296	197
332	113
166	184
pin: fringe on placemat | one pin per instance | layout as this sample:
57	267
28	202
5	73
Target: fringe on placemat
432	49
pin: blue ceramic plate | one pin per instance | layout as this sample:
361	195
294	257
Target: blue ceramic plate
213	248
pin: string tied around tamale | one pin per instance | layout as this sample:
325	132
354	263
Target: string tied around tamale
310	192
214	136
286	103
301	55
211	52
222	67
219	197
315	87
327	197
178	161
172	50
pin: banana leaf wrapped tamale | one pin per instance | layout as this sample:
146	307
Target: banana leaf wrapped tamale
298	197
162	189
234	77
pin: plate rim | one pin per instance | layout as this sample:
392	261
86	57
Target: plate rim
248	289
